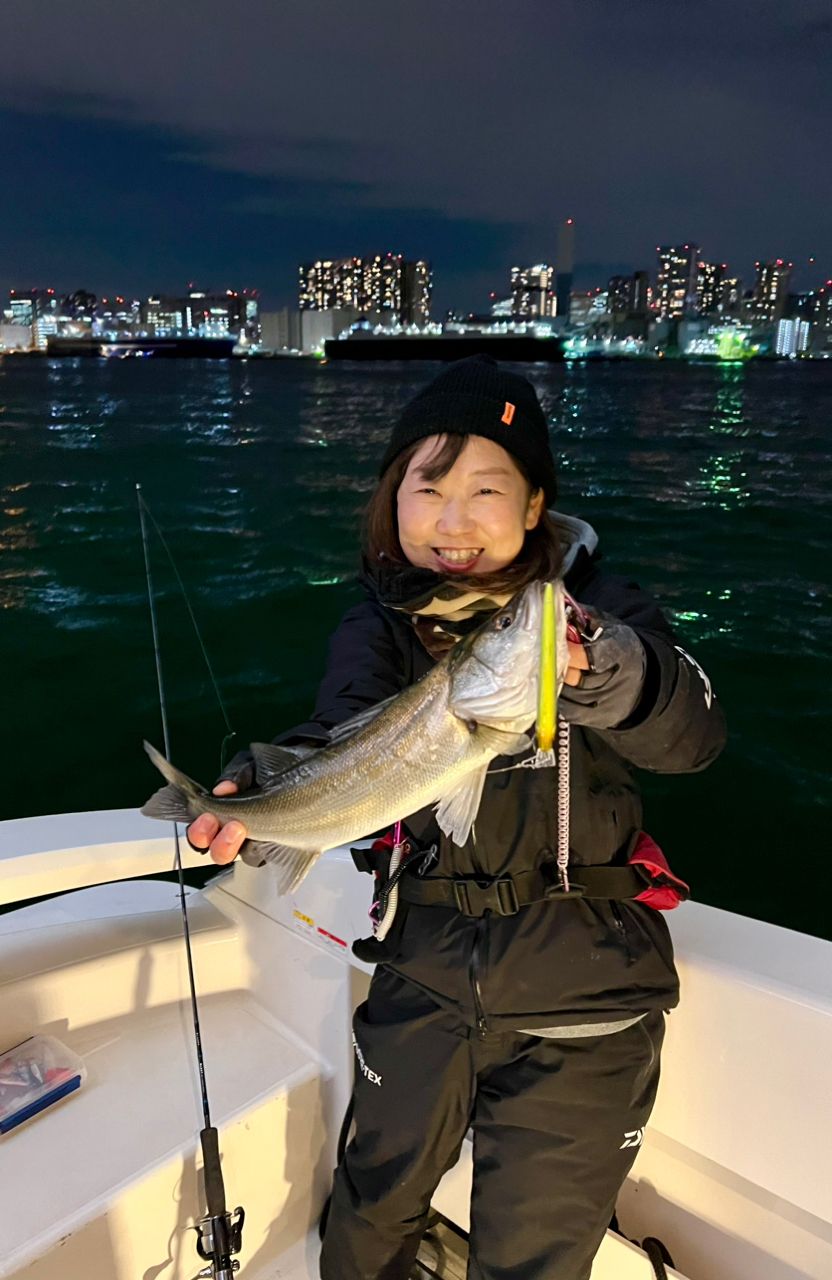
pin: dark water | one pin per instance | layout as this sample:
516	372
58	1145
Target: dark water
708	484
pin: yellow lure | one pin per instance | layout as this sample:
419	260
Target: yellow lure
547	701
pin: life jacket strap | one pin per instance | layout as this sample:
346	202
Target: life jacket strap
506	895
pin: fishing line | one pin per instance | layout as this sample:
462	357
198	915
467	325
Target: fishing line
144	509
160	684
219	1235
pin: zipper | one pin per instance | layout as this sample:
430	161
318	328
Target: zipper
476	989
622	929
474	966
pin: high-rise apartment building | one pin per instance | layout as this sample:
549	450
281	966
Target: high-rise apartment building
676	287
627	296
385	282
771	291
821	308
565	263
731	299
791	337
532	295
709	278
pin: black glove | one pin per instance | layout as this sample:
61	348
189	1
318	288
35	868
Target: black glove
609	691
240	769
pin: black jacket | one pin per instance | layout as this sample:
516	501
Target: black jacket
554	963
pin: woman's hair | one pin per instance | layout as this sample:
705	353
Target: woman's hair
540	557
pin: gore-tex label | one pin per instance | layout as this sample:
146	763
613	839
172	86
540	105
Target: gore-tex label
372	1076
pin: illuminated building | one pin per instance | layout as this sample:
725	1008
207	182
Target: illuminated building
531	292
203	315
38	310
791	337
627	296
725	342
117	318
771	290
676	287
731	300
385	282
588	308
565	263
709	281
821	308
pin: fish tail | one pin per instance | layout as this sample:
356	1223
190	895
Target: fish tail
171	804
175	801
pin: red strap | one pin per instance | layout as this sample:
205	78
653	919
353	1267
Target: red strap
668	891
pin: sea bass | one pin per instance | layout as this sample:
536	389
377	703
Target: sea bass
430	744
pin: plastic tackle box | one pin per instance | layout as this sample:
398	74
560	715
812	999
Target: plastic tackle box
33	1075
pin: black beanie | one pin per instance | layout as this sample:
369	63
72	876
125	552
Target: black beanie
476	397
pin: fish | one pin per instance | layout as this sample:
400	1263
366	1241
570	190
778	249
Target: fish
430	744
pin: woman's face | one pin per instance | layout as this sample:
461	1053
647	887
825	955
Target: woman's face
472	520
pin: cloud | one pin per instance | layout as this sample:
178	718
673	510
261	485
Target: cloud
645	121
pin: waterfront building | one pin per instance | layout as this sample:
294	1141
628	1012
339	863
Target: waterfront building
701	339
37	310
384	282
532	295
771	289
117	317
502	308
678	279
791	337
709	279
588	307
821	310
628	296
565	263
203	315
291	331
15	337
730	296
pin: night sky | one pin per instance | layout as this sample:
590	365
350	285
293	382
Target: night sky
146	145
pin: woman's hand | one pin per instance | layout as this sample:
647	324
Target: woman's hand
578	663
207	834
605	675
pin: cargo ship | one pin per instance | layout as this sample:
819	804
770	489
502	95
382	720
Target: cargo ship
525	348
119	348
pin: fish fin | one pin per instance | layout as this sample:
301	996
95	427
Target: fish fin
458	808
170	803
290	865
340	732
173	775
502	742
270	761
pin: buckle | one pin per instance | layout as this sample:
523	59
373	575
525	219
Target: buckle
475	897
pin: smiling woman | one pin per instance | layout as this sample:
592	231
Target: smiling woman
459	502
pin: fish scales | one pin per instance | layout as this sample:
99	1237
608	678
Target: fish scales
430	744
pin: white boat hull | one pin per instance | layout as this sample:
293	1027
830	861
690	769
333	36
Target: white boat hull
733	1174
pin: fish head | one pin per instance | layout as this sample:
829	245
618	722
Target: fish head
494	670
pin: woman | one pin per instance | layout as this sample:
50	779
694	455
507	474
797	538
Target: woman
504	1002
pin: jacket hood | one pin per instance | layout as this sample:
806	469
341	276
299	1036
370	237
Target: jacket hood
578	534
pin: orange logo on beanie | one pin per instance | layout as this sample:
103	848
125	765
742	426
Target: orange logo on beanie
508	413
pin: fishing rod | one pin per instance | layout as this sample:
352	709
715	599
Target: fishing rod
219	1232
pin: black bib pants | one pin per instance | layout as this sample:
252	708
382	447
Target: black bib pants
557	1124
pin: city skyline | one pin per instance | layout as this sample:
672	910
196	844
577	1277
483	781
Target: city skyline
140	151
706	277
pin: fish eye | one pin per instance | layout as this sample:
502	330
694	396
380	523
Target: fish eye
502	621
